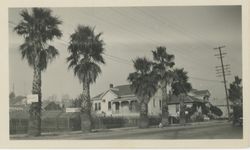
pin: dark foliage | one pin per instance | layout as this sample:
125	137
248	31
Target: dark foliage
215	110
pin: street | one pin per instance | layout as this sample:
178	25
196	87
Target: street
204	131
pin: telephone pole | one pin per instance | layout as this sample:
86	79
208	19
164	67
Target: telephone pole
223	71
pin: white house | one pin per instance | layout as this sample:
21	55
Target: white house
121	101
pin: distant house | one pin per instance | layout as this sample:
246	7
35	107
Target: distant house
121	101
17	103
202	95
194	96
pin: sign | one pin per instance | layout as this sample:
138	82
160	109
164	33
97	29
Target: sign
31	98
73	109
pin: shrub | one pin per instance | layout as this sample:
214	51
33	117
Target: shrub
215	110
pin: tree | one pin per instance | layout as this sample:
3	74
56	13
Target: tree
144	85
235	91
77	102
52	106
163	62
235	96
12	95
86	50
37	28
181	87
216	110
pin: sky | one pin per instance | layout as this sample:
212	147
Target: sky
189	32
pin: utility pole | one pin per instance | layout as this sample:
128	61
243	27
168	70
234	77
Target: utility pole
223	71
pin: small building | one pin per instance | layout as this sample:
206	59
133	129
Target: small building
194	96
121	101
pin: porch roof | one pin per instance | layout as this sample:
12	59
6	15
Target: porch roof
127	98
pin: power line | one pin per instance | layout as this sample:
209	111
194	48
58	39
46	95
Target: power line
210	80
125	61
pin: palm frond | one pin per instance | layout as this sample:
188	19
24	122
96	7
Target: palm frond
180	83
86	50
143	80
37	28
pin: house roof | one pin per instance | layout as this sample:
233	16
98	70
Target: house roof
98	96
120	91
188	99
200	92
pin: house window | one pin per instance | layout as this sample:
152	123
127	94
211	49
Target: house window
99	106
109	105
154	102
95	106
160	103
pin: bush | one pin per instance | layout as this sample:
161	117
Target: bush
237	112
215	110
118	122
197	117
154	120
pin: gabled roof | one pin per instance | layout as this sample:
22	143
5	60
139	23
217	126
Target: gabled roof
187	99
120	91
98	96
200	92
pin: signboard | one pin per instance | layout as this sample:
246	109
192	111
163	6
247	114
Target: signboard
31	98
73	109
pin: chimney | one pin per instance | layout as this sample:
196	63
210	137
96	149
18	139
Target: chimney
111	86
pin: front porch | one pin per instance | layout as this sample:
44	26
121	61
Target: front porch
125	107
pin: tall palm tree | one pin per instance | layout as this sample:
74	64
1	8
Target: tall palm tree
163	62
181	87
86	50
144	85
38	28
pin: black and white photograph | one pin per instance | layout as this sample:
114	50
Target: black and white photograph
125	73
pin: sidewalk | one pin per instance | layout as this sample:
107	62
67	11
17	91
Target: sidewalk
121	131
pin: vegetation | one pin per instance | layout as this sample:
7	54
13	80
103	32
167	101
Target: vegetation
163	62
37	28
52	106
235	91
235	96
215	110
181	87
77	102
86	50
144	85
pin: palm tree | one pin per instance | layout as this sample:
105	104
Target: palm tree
86	50
144	85
181	87
163	62
38	28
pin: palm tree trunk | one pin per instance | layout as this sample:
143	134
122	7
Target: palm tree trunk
143	120
35	108
165	113
86	124
182	109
